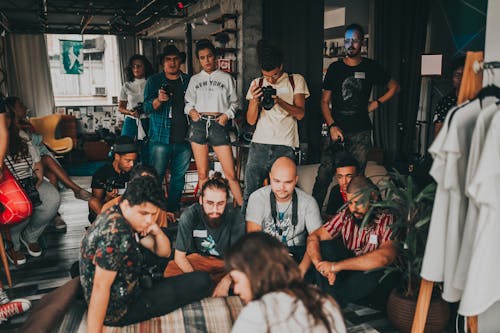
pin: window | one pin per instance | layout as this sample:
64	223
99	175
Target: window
85	70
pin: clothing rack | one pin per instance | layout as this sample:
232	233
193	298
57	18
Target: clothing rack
425	293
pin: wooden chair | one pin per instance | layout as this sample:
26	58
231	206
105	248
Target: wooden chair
46	126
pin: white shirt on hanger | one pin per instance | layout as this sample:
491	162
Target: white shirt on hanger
482	125
482	287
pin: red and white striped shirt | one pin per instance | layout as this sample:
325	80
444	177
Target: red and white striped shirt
360	241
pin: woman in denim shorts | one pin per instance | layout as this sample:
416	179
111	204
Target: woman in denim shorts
211	101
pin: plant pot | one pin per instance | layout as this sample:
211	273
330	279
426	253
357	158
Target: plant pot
400	311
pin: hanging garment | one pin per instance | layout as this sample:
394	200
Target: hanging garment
476	147
471	82
482	287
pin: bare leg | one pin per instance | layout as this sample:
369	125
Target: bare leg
200	153
51	176
225	156
59	172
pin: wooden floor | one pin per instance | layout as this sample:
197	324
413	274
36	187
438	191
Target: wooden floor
40	276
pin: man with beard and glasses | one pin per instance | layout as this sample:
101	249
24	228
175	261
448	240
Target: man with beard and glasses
343	263
346	106
207	229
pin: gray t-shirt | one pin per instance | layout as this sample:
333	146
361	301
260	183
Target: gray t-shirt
195	236
309	217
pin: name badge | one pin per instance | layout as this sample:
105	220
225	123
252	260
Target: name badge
200	233
359	75
373	239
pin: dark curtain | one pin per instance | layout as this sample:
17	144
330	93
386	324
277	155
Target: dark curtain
297	27
126	49
400	33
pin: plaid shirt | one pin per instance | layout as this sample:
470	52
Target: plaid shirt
159	122
361	241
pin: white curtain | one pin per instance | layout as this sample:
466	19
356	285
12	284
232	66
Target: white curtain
28	73
126	49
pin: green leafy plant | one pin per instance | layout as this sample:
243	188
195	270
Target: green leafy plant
412	210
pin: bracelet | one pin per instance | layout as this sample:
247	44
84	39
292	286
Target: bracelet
333	268
379	103
332	125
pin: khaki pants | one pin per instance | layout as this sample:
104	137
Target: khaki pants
212	265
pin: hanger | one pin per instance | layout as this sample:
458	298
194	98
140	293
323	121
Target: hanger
491	90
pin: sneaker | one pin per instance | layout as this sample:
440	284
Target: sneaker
16	257
83	195
16	307
58	223
34	249
4	299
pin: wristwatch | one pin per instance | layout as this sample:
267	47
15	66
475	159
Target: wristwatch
332	125
333	267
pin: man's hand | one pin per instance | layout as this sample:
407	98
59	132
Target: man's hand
372	106
222	119
152	230
111	195
170	217
336	134
331	276
163	96
325	267
256	92
133	113
222	289
194	115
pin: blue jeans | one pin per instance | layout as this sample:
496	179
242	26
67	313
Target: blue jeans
260	160
178	157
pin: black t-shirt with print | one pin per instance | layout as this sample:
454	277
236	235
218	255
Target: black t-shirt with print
106	177
444	105
195	236
178	129
351	87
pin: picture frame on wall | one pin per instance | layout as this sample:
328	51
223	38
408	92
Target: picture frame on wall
60	110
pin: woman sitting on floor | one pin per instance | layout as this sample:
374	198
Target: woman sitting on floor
23	161
267	278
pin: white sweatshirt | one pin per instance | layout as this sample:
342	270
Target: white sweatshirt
215	92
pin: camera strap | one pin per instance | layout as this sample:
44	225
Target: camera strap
14	172
274	212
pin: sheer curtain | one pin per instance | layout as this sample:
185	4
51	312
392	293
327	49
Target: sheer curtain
126	49
28	72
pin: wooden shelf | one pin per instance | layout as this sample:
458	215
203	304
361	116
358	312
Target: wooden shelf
224	30
221	19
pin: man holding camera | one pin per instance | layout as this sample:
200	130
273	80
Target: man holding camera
111	179
164	101
276	102
347	86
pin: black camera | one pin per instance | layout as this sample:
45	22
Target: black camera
139	108
149	275
267	97
168	89
29	186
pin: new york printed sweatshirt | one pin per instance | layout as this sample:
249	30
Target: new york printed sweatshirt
215	92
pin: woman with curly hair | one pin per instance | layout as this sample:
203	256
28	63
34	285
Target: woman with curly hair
268	280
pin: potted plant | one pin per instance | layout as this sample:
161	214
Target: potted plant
412	209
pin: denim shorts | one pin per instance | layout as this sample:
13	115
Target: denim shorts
207	130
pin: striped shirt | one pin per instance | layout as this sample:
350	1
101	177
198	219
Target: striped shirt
361	241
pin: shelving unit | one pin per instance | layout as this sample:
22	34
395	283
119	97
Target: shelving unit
227	53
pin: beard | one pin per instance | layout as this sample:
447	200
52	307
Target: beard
213	222
358	220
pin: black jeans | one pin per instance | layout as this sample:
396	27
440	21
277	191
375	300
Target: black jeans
167	295
358	144
349	286
260	160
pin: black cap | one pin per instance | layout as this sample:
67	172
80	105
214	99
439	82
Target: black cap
171	50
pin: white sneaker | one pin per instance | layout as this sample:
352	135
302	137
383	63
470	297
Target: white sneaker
16	307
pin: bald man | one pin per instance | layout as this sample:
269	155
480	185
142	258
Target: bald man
342	265
284	211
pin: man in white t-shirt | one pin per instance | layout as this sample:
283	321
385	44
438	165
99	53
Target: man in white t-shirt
275	113
284	211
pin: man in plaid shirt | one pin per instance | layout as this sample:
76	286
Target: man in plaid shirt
352	250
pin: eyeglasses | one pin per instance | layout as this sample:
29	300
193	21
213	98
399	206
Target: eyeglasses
352	41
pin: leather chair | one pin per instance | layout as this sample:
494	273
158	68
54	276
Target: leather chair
46	126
